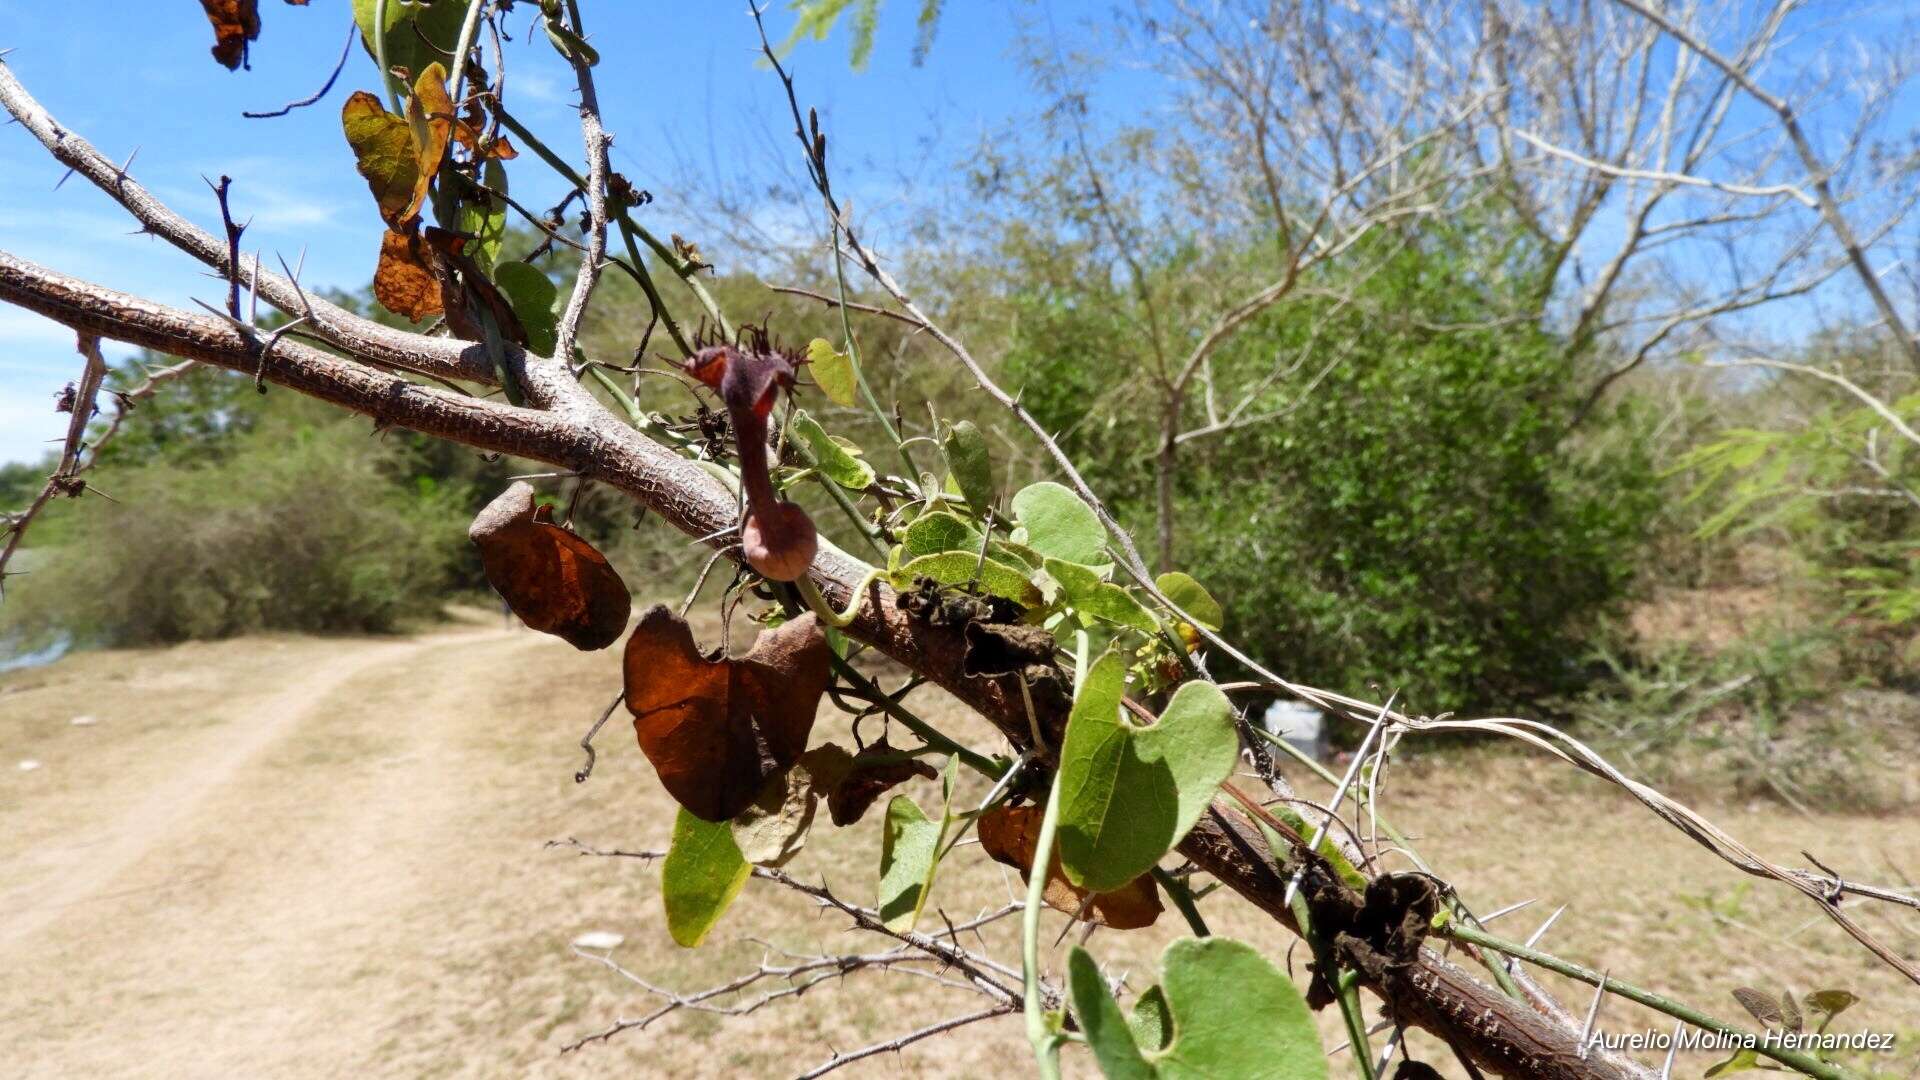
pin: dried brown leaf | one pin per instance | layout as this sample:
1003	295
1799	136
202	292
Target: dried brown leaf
1008	835
717	728
407	281
870	774
556	582
235	22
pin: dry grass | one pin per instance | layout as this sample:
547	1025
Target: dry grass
301	857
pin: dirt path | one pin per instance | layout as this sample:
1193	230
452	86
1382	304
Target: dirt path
171	800
292	857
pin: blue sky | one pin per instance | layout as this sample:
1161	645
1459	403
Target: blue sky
680	91
685	87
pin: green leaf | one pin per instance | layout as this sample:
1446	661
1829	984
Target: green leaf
957	568
410	26
1131	793
909	844
832	459
1741	1061
1105	1026
1830	1003
1228	1012
1058	523
1083	590
486	217
1150	1022
569	44
933	533
1327	848
832	371
969	465
702	874
1193	598
531	293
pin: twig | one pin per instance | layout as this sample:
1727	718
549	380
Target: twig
65	478
338	66
897	1043
586	741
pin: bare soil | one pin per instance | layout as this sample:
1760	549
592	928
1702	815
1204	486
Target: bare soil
300	857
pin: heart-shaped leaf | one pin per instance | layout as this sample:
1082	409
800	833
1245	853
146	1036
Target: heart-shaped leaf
717	728
1232	1014
553	580
1130	793
1082	589
417	34
830	457
961	568
1008	835
1056	522
939	531
910	854
702	874
969	465
1192	598
832	371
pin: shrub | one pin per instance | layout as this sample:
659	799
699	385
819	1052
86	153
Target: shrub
293	526
1415	516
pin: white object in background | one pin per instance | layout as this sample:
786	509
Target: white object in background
599	939
1300	724
29	765
84	721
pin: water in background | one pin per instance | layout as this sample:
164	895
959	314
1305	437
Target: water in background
12	659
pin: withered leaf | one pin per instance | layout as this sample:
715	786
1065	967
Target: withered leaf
384	153
1008	834
872	773
235	22
429	110
468	134
773	829
717	728
407	281
397	165
556	582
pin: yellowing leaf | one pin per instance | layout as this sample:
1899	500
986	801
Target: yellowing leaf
384	152
832	371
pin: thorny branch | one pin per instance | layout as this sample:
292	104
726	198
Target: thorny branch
65	479
567	428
